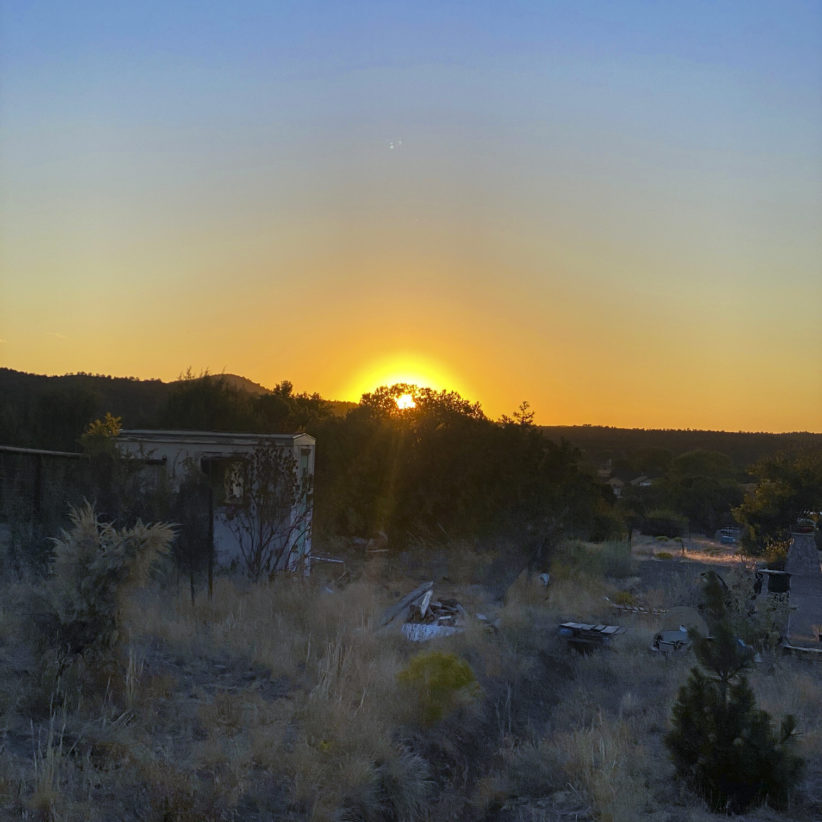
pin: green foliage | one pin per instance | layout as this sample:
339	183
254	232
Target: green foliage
100	434
727	750
788	486
440	683
722	746
702	486
207	403
95	566
442	468
666	523
524	415
624	598
60	416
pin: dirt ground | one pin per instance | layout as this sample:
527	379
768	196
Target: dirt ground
687	561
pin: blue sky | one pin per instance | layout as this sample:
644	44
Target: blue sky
574	203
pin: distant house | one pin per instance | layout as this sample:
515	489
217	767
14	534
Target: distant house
223	461
616	486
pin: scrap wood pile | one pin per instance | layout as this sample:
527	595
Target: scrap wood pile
436	611
424	617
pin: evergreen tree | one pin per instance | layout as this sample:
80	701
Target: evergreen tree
721	744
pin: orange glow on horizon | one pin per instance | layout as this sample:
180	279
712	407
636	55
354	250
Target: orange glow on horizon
403	368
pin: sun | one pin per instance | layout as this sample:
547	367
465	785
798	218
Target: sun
405	402
403	368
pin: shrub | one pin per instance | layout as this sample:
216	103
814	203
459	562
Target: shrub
664	523
624	598
440	682
664	555
95	566
721	744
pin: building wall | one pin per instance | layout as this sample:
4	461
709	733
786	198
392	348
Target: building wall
213	454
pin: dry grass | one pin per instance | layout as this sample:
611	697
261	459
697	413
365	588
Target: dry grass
282	701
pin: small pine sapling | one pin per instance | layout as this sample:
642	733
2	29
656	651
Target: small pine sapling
721	744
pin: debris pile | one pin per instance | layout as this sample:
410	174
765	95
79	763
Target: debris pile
672	635
424	617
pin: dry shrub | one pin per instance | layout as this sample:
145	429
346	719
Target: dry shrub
605	761
676	589
533	769
438	683
49	767
580	600
574	559
344	761
95	569
325	731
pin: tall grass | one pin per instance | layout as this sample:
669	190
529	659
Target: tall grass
282	700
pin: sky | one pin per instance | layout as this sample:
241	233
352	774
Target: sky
610	210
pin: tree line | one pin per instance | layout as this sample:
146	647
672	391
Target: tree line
440	469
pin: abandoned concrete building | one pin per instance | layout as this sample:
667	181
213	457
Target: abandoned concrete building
222	460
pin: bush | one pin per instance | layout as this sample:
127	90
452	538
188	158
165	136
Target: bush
440	683
727	750
94	568
624	598
722	746
664	523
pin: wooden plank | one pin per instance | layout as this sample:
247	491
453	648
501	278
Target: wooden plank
394	611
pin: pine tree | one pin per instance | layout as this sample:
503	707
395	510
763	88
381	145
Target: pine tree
721	744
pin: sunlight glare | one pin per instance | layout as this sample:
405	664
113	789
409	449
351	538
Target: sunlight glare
405	401
403	367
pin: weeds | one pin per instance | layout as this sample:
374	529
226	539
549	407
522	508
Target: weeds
281	700
48	765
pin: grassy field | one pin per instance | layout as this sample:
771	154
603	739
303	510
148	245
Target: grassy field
287	701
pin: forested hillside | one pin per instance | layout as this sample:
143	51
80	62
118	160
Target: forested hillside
442	468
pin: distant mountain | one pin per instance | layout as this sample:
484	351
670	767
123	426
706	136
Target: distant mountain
238	383
41	411
51	412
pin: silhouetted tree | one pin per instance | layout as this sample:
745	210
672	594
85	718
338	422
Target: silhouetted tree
207	403
787	487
